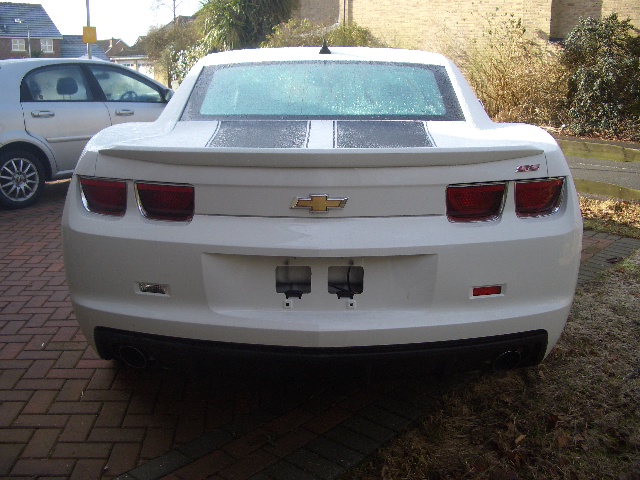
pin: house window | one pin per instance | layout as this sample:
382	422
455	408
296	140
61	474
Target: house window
17	45
46	45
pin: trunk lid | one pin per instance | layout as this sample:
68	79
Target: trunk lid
296	168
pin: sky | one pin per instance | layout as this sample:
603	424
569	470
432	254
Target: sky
126	19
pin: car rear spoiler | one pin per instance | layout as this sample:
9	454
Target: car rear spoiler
332	158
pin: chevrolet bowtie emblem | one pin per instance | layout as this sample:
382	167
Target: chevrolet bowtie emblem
319	203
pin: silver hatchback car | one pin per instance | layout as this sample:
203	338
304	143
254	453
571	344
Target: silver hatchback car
50	108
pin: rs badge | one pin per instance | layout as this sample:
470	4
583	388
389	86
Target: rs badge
528	168
319	203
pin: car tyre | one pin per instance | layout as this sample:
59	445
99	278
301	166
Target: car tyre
21	179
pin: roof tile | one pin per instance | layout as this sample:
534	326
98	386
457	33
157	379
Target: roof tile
34	16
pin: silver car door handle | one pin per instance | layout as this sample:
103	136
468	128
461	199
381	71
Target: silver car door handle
125	112
42	114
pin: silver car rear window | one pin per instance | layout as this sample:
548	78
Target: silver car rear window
317	90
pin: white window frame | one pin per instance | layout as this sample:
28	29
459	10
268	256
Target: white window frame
46	45
18	45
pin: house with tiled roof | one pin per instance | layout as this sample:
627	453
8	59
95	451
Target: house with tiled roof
74	47
27	31
113	46
134	57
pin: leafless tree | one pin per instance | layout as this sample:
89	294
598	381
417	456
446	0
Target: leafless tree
173	5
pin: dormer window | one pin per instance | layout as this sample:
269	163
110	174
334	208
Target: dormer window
18	45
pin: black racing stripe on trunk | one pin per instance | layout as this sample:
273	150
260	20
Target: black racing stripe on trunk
261	134
382	134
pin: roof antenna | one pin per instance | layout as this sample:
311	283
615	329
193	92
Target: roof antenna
324	50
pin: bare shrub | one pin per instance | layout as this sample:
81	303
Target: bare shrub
518	78
303	33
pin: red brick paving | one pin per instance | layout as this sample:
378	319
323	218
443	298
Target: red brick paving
591	246
65	413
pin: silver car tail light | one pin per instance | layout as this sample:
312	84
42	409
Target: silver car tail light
475	202
535	198
159	201
104	196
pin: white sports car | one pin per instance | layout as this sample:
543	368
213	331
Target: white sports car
345	204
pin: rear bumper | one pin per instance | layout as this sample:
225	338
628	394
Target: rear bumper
500	352
222	282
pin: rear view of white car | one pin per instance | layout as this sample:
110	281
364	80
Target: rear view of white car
49	110
352	205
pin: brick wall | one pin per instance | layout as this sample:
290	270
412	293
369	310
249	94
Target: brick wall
6	52
536	16
324	11
5	48
565	13
421	23
624	9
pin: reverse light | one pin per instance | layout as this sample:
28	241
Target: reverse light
159	201
104	196
535	198
153	288
475	202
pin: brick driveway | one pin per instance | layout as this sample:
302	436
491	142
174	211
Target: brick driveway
64	413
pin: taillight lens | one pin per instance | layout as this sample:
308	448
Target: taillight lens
487	291
538	197
474	203
166	202
106	197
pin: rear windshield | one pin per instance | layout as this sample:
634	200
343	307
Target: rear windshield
317	90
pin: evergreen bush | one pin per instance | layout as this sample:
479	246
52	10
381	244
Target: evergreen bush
603	58
517	76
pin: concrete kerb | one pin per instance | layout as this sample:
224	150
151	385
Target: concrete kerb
611	151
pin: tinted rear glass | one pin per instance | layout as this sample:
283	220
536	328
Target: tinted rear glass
308	90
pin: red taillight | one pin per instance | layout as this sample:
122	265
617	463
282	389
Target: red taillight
538	197
166	202
485	291
107	197
473	203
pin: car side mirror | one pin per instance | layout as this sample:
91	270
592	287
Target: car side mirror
168	93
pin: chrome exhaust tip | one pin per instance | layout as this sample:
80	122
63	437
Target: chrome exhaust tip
133	357
507	361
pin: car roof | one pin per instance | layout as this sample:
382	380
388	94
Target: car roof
23	65
342	54
47	61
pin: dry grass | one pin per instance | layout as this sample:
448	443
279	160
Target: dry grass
576	416
611	216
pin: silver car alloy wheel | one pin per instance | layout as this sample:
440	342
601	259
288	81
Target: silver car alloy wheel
19	179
